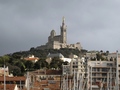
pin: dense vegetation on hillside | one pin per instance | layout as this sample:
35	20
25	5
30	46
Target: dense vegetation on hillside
64	51
18	66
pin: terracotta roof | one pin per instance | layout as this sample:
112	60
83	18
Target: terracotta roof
22	78
53	72
8	87
47	72
45	84
32	59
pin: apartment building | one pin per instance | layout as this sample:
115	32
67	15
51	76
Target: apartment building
101	72
78	65
74	74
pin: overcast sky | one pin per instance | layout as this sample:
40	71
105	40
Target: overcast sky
27	23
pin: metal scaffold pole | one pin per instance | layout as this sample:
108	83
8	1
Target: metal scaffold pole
28	83
4	79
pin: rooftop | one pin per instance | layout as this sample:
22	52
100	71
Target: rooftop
47	72
46	85
8	87
22	78
55	55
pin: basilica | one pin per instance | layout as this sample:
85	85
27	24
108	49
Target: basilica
59	41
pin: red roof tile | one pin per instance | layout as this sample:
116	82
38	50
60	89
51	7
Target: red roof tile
53	72
32	59
44	84
47	72
8	87
22	78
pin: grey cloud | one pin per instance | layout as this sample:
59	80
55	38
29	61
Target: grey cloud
24	24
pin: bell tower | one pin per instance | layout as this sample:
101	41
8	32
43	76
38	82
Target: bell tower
63	28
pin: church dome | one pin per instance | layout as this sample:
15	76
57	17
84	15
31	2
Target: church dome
53	33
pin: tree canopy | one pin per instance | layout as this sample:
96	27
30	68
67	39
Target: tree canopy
18	66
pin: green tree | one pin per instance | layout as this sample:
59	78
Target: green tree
56	63
21	65
107	52
43	63
29	65
37	65
98	56
16	71
4	59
